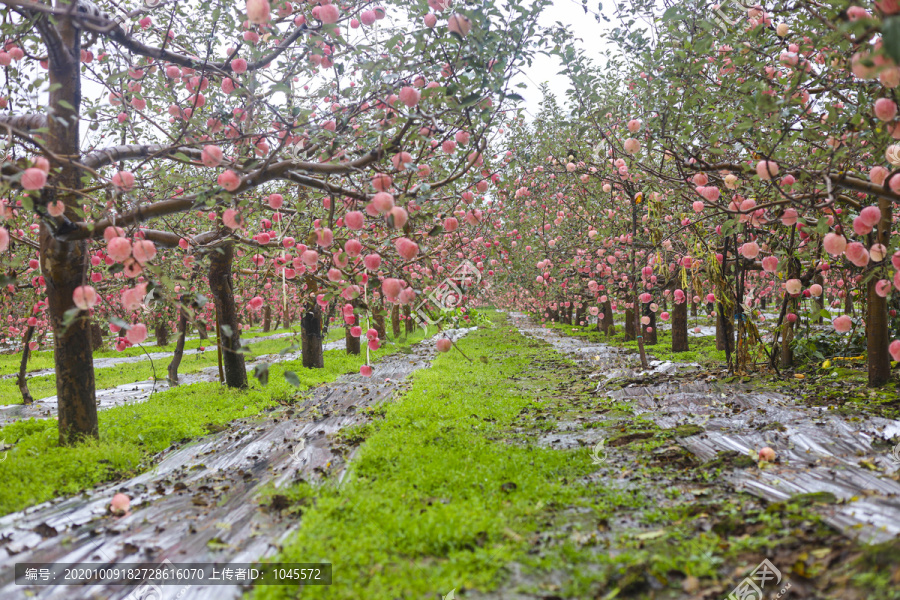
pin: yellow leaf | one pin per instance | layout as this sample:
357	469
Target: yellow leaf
650	535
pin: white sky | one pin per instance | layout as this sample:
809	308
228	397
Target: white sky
544	69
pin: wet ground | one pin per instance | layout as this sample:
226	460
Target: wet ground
209	500
138	391
846	460
112	361
217	499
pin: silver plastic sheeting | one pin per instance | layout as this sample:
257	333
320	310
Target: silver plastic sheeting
817	450
201	501
139	391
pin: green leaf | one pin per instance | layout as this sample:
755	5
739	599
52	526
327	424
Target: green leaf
226	330
728	228
120	323
261	372
69	316
289	349
891	37
470	100
671	13
292	378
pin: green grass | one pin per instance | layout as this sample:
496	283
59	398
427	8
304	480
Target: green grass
43	359
441	495
44	386
424	510
38	469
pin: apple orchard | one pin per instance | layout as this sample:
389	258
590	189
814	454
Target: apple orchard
223	166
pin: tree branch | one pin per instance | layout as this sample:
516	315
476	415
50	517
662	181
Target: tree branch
839	179
29	122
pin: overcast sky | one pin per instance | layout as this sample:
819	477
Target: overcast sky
582	26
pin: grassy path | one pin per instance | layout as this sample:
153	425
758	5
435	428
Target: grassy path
486	479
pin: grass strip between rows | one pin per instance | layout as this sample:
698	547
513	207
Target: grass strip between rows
443	493
38	469
44	386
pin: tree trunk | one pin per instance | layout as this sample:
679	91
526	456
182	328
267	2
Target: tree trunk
818	302
351	341
554	314
220	259
162	332
378	317
410	326
607	323
579	314
635	294
201	329
96	337
693	309
63	264
877	333
219	351
267	318
311	337
650	337
395	321
724	329
787	337
680	327
787	354
848	301
791	306
179	348
23	368
629	325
